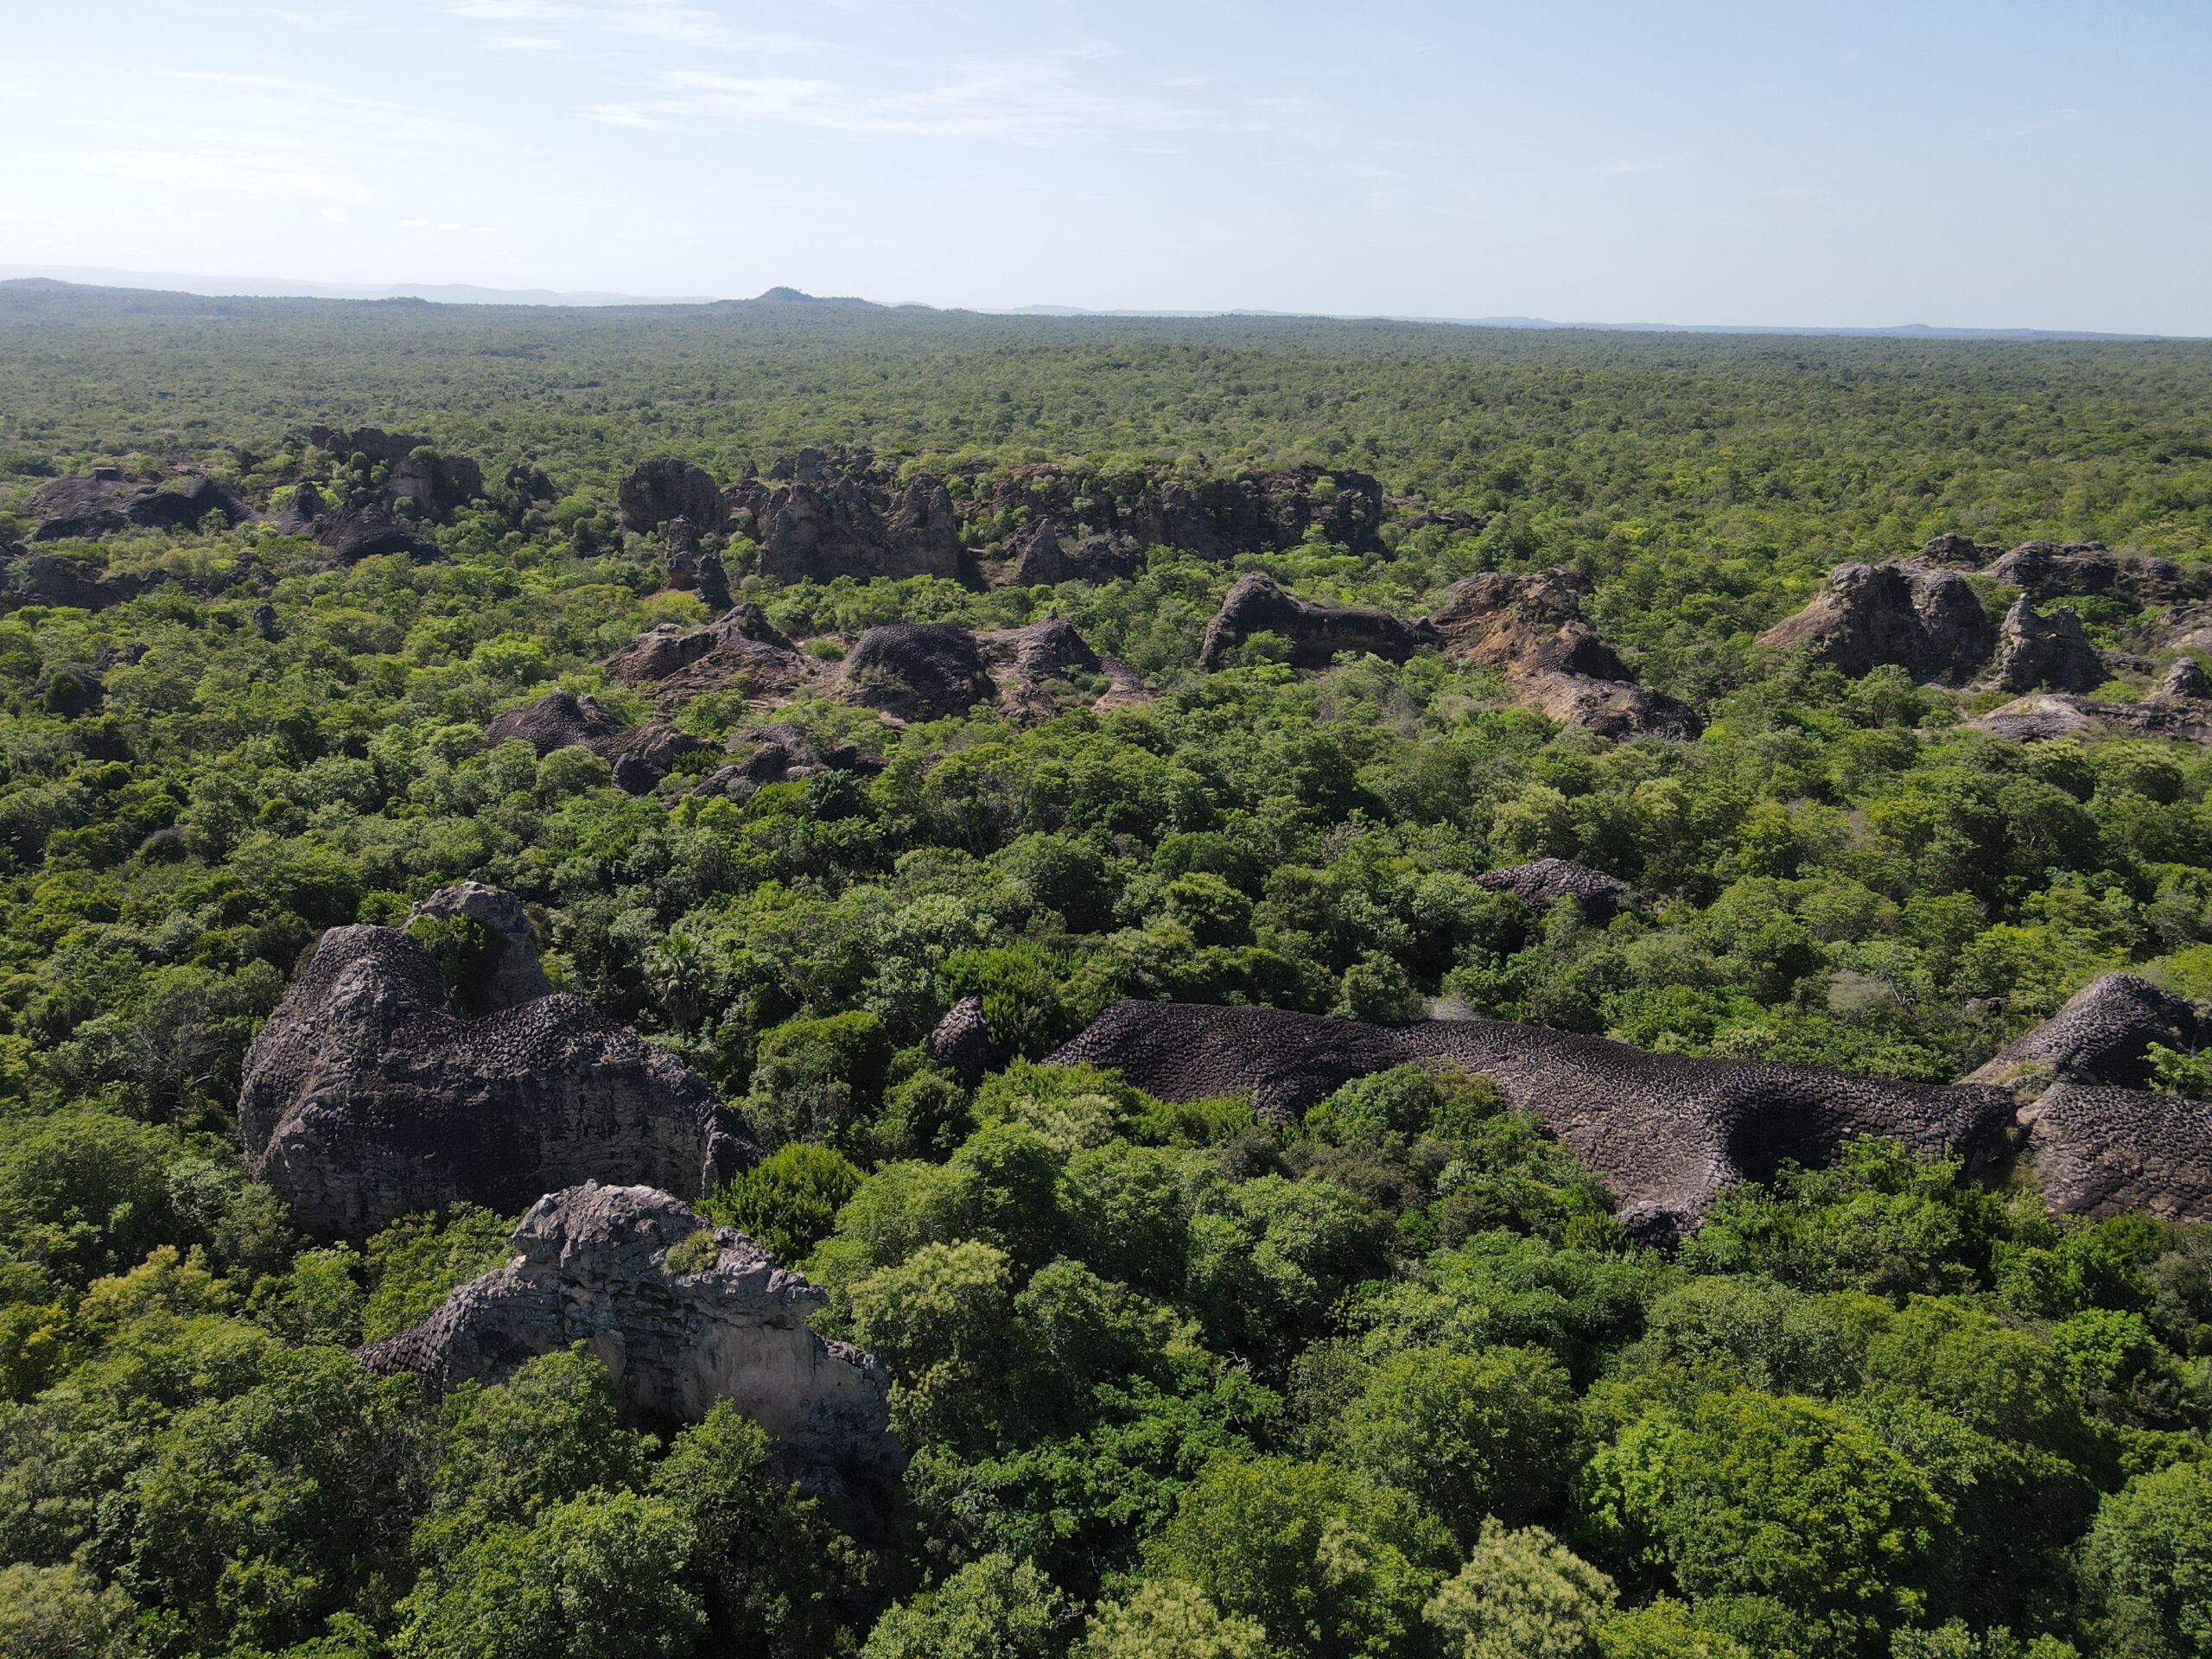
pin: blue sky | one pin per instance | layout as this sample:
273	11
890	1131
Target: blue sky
2025	164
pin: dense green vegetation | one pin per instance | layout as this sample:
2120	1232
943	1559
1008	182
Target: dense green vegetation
1390	1382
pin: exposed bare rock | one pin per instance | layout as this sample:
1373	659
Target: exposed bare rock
264	620
517	977
1960	552
2184	682
1315	633
1042	558
372	531
1667	1132
1542	884
2044	717
2102	1035
2099	1152
1532	629
779	753
365	1098
50	579
818	518
2036	652
679	1321
671	487
87	507
560	719
960	1042
739	647
2048	570
527	481
1028	663
918	670
692	568
431	483
1922	617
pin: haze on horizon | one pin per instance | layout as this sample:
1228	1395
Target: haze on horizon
1973	165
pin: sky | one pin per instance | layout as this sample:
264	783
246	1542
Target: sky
1995	165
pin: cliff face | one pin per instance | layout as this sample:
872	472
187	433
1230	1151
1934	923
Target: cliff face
365	1098
681	1313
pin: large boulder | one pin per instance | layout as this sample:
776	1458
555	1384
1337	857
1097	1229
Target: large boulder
561	720
1316	633
87	507
671	487
1667	1132
1531	629
374	531
740	648
1921	616
918	670
2044	652
2103	1035
517	976
2048	570
681	1313
364	1097
50	579
421	480
819	517
2099	1151
1034	666
1544	882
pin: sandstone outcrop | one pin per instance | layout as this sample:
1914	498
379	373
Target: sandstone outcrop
1035	668
783	752
1531	628
88	507
2178	706
370	531
2048	570
2102	1035
1315	633
1921	616
960	1042
918	670
1214	518
674	663
692	568
669	488
1042	558
2035	652
2098	1152
560	719
430	483
681	1313
1667	1132
517	976
1546	881
365	1098
50	579
817	518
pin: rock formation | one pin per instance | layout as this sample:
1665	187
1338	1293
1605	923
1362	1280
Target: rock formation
783	752
1034	666
517	976
1532	629
1921	616
2102	1035
1667	1132
817	519
669	488
960	1042
2097	1151
680	1320
2048	570
431	484
739	648
370	531
1042	558
2178	706
692	568
560	719
918	670
1315	633
2044	651
365	1098
87	507
1542	884
49	579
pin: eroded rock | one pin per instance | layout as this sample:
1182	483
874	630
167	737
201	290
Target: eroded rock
88	507
517	977
365	1098
668	487
1920	616
2099	1152
739	648
918	670
681	1313
2103	1035
960	1042
2044	652
561	720
1546	881
1316	633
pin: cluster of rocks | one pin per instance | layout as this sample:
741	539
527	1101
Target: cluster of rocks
640	755
105	502
365	1098
1315	633
780	753
682	1314
2179	706
422	485
738	649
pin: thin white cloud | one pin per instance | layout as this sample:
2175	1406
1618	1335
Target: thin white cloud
676	22
528	44
1621	167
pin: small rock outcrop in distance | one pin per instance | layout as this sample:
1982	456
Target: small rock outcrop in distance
561	720
1666	1131
2048	570
818	517
1920	616
88	507
49	579
365	1098
2179	707
1960	552
1042	558
1531	628
679	1320
2044	652
2099	1152
517	977
781	753
674	663
1546	881
960	1042
1316	633
668	487
2103	1035
692	570
922	671
432	483
369	531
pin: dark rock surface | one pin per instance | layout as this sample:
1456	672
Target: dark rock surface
88	507
372	530
780	753
2048	570
2179	707
50	579
593	1265
2044	652
432	483
918	670
960	1042
1316	632
1531	628
1037	667
365	1098
739	647
1043	557
2098	1152
817	518
2101	1036
1923	617
692	568
1667	1132
1543	883
669	488
560	719
518	977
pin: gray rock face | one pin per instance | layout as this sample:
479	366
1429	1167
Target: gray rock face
1542	884
49	579
365	1098
432	483
2047	570
669	488
919	670
84	508
818	522
1667	1132
2051	653
560	719
719	1320
2098	1152
372	531
518	977
962	1041
676	663
1924	618
2102	1035
1531	629
780	753
1316	632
